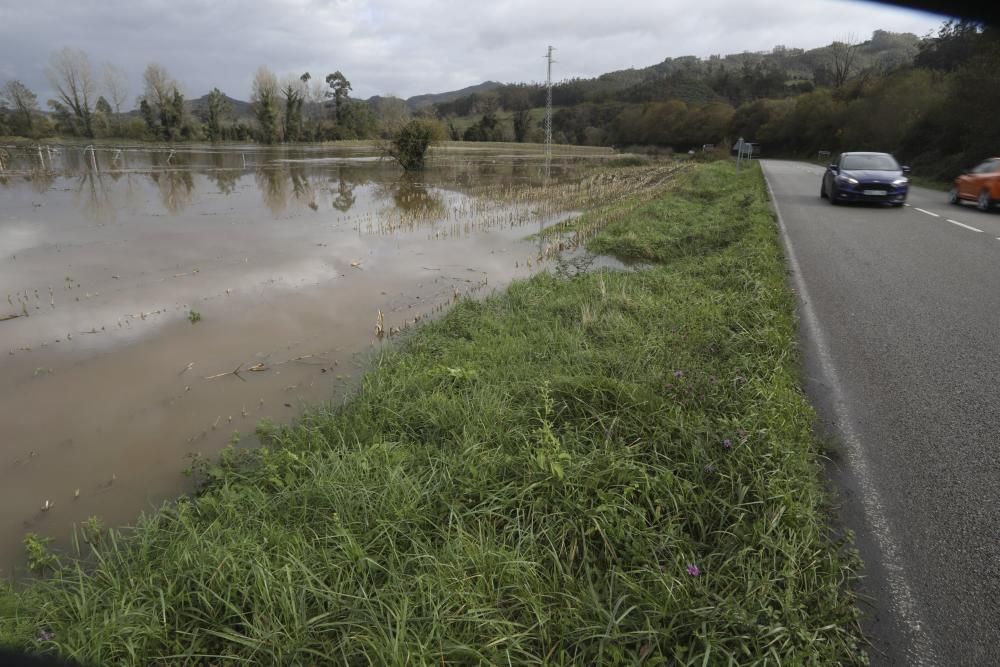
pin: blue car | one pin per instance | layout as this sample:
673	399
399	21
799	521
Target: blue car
870	177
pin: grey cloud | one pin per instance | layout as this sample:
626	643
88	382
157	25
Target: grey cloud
414	46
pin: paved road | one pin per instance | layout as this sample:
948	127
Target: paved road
900	312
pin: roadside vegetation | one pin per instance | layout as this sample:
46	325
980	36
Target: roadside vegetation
611	468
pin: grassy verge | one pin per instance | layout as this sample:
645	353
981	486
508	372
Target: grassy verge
933	184
616	468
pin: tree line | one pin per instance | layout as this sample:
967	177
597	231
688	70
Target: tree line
932	101
90	102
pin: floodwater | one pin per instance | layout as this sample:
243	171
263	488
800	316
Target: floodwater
288	256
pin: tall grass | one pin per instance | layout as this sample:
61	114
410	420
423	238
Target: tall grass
615	468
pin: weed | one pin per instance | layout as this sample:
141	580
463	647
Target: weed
40	558
194	317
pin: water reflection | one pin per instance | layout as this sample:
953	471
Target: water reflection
345	193
176	189
414	197
105	178
226	171
273	188
93	198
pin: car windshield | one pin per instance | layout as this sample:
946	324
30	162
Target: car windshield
870	162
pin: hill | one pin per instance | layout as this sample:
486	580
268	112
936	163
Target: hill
426	100
239	109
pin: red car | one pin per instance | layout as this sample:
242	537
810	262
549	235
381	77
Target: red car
980	184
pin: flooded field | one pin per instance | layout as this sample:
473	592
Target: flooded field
156	302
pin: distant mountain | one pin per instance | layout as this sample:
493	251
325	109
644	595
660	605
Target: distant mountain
238	108
420	101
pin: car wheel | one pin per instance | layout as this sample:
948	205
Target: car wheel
822	190
832	196
953	197
984	202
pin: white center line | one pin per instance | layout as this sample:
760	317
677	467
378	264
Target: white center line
927	212
962	224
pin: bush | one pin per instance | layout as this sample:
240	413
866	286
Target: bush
409	147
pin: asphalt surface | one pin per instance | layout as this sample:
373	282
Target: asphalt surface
900	326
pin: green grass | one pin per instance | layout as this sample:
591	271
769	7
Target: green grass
931	183
528	480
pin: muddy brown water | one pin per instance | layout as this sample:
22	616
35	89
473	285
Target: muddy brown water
288	255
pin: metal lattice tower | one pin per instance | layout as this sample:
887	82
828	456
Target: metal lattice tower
548	106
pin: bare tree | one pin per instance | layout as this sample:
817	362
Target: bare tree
264	98
21	99
162	93
116	86
71	75
158	86
845	55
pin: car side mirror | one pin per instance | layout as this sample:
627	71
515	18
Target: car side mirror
906	169
833	167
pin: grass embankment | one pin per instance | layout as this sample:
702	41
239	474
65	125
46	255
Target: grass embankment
616	468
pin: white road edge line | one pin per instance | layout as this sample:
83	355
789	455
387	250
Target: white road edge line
921	650
927	212
962	224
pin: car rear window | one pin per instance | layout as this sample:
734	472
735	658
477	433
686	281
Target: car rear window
872	162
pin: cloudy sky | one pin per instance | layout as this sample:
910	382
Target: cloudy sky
408	47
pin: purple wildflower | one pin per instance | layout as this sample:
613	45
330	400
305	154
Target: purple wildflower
678	374
727	443
693	570
45	636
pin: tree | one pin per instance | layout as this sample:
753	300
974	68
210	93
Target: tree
954	46
340	88
522	121
176	113
162	94
218	109
102	115
264	98
845	55
294	91
21	100
409	146
147	114
64	119
116	86
70	74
